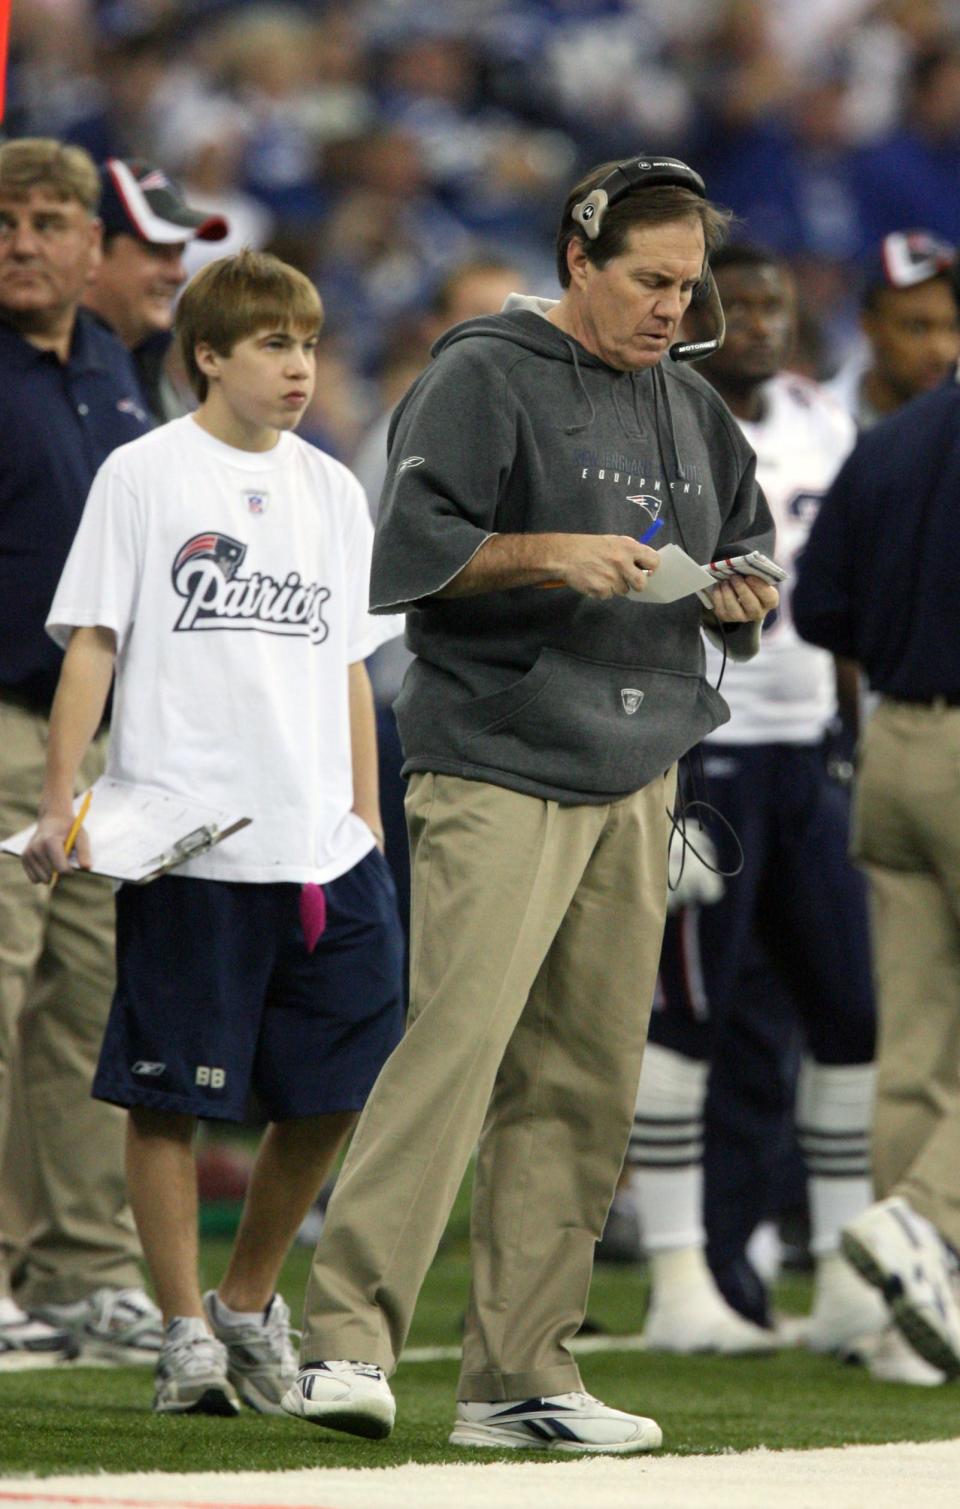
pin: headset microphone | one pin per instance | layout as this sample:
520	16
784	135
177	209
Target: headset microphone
706	298
650	172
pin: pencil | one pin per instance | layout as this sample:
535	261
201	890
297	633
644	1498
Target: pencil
75	827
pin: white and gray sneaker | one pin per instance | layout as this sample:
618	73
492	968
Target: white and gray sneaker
261	1362
560	1422
900	1253
350	1396
191	1376
118	1327
29	1343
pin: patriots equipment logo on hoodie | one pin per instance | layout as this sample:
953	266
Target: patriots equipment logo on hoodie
650	505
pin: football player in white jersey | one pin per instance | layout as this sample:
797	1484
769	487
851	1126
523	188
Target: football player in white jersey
910	327
782	959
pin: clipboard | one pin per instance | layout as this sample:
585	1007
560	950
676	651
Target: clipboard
140	832
188	847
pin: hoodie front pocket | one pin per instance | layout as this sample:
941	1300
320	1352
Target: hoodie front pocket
590	726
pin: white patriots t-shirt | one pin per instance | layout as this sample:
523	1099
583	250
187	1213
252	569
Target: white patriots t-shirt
237	585
787	693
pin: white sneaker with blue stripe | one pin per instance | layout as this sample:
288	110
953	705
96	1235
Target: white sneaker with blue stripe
121	1327
351	1396
561	1422
29	1343
900	1253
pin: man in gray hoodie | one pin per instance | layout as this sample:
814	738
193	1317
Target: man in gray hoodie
541	720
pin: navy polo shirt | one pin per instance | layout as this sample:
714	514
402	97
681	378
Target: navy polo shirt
58	422
877	580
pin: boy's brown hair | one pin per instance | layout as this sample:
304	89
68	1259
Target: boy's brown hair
236	296
40	162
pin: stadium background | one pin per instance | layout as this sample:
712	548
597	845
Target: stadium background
377	144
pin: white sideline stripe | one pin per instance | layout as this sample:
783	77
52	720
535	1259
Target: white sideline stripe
582	1345
21	1362
848	1477
26	1362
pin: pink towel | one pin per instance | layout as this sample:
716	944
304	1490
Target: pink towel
313	914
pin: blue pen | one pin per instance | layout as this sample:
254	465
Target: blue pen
648	534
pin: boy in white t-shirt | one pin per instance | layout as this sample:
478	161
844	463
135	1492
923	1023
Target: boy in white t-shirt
221	570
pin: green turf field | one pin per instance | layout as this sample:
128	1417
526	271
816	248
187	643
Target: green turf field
89	1419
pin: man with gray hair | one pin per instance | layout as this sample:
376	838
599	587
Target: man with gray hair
68	397
542	717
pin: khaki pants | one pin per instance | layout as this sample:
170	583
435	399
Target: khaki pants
65	1225
535	939
907	836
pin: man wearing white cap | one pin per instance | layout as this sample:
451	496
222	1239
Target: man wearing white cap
146	227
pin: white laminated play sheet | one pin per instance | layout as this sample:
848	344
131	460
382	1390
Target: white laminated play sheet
678	575
137	832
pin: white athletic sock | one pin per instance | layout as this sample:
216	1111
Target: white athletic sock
229	1317
834	1107
665	1156
191	1326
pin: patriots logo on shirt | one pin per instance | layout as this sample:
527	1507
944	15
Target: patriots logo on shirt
228	554
650	505
206	573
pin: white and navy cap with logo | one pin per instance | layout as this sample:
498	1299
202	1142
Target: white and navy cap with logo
906	258
140	200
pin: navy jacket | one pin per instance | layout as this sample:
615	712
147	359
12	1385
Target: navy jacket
879	581
58	422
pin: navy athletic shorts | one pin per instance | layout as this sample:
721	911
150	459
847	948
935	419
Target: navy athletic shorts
217	995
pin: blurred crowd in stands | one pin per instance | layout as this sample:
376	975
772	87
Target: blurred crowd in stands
379	143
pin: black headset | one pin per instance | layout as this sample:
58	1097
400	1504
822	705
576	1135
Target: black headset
650	172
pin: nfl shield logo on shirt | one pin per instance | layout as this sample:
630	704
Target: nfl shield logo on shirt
257	502
631	697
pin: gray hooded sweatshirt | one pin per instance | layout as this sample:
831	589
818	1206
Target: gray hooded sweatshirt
515	427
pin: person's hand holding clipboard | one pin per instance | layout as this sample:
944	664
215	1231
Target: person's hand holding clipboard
53	843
